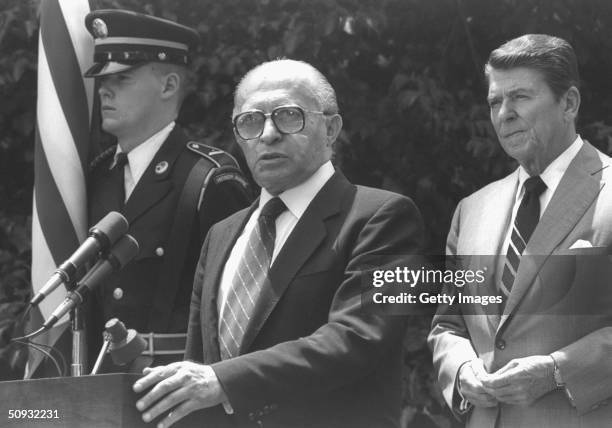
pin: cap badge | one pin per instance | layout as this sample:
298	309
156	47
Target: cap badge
100	29
161	56
161	167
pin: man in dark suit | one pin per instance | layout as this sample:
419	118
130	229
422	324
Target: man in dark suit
541	359
290	344
170	189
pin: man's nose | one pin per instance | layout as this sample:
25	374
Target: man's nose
270	133
104	89
506	110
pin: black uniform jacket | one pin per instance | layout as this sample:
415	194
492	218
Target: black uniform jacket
135	294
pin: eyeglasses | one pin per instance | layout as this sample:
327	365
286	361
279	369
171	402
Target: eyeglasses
287	119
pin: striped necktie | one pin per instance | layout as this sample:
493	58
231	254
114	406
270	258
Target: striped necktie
527	218
250	278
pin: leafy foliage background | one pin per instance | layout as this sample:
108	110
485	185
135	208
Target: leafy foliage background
408	74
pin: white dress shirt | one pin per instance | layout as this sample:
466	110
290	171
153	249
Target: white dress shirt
140	157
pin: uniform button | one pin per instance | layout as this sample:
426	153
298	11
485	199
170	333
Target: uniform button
500	344
159	251
251	416
117	293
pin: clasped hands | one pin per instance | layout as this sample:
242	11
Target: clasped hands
182	387
520	382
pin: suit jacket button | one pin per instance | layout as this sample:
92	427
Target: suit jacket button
117	293
159	251
500	344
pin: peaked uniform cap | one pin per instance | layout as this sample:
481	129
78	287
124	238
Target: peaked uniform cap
124	39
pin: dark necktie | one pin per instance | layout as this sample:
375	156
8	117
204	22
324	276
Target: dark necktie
250	278
527	218
118	174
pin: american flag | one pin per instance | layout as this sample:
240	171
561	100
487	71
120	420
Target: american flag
64	107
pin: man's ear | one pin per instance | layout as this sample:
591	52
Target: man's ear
572	104
171	84
334	126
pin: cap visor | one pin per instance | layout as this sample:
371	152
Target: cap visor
105	68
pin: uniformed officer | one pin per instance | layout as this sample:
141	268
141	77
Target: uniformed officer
170	189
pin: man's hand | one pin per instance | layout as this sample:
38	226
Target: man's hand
471	386
522	380
185	384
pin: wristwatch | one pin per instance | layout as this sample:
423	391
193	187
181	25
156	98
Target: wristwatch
557	375
559	381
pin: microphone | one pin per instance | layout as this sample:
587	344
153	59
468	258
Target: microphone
121	253
126	345
104	234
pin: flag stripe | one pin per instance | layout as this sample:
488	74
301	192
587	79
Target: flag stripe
45	267
60	151
81	41
58	230
64	67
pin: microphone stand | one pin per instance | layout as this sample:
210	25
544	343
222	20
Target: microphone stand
102	354
79	343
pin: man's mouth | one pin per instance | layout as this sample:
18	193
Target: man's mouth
511	134
271	156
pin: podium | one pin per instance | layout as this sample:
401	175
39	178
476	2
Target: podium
100	401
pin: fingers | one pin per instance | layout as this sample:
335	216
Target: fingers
471	386
153	376
177	414
506	376
480	399
161	389
164	405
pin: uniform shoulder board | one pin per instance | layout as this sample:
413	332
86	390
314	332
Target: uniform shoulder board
217	156
226	166
102	157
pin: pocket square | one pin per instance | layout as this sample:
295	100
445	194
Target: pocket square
581	243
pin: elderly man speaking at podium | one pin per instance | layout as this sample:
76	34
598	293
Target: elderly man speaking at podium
277	332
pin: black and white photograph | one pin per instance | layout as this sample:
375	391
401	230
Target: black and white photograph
306	213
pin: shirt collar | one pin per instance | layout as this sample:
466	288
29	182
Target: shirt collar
141	156
299	197
553	173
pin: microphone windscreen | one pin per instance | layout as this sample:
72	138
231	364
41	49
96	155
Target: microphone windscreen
123	251
112	227
126	345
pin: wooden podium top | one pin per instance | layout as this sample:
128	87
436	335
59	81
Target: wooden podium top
89	401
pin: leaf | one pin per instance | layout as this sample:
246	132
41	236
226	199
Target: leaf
407	98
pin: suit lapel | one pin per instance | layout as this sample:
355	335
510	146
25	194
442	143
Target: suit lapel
155	183
305	238
495	217
216	259
488	226
577	190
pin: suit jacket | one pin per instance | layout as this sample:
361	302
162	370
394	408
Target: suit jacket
560	304
312	356
151	210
